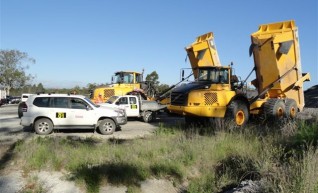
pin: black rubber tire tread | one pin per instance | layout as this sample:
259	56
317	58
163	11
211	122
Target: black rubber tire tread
107	126
148	116
233	108
43	126
271	106
290	103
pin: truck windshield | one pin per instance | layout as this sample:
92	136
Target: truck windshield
123	77
112	99
214	75
90	102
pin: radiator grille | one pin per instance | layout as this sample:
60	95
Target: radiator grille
210	98
108	93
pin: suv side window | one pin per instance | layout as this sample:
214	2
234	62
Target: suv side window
77	103
41	101
59	102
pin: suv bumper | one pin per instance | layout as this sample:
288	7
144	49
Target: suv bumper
26	121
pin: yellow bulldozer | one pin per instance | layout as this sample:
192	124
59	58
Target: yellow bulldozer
122	83
217	93
129	82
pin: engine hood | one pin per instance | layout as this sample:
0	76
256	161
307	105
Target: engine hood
185	88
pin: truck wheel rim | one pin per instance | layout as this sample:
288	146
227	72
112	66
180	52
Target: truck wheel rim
239	118
108	127
292	112
279	112
43	127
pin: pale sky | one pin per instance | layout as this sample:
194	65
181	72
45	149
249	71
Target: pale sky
76	42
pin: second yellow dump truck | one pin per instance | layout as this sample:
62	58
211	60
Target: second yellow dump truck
217	92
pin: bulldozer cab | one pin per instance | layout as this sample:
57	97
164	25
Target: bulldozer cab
126	78
202	53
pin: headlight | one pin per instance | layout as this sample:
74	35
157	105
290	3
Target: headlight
120	112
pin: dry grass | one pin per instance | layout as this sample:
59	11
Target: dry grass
208	159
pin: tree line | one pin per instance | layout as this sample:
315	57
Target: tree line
15	79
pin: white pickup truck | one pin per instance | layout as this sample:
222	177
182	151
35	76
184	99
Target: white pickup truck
135	106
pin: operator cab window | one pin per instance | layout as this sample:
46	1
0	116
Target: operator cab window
128	78
139	78
214	75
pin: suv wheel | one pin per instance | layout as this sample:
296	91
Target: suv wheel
43	126
107	127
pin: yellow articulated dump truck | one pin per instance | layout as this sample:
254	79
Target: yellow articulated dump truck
217	92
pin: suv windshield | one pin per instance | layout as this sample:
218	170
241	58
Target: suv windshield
214	75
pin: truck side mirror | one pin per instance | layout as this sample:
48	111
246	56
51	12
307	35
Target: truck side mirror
182	76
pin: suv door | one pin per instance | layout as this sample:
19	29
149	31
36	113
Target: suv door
80	113
59	111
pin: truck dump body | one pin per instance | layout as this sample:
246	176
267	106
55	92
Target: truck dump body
277	62
202	53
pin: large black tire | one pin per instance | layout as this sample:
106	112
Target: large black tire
275	108
43	126
148	116
237	112
291	109
107	127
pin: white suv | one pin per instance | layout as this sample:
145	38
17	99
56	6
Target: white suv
46	112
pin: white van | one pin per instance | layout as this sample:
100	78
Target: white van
25	96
